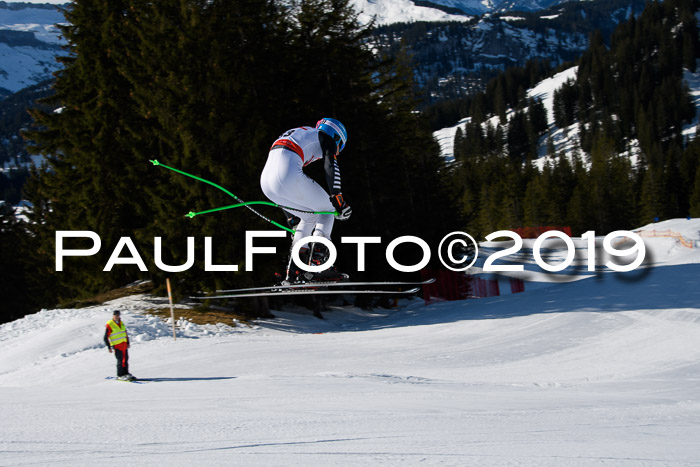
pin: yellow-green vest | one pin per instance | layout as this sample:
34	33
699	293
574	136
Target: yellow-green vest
118	334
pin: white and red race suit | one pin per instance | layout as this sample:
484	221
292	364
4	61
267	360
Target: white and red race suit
283	180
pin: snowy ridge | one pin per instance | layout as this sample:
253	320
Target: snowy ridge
39	21
397	11
400	11
603	370
566	140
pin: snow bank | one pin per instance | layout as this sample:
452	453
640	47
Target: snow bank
50	336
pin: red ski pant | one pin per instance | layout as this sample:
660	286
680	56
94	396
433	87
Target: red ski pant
122	354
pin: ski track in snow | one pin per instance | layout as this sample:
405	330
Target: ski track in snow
604	370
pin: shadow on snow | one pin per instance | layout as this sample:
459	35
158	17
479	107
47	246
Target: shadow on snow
654	288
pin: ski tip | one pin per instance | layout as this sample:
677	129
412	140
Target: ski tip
429	281
155	162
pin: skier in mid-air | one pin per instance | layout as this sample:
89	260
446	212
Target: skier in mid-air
283	181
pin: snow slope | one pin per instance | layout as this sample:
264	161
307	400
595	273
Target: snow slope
39	21
400	11
566	140
45	2
21	67
30	61
601	371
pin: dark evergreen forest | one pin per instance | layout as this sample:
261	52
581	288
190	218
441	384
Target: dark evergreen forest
632	90
207	86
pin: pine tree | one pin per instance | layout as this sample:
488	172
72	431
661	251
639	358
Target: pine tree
518	138
93	166
490	210
460	146
562	186
538	199
612	196
206	87
14	274
687	167
695	196
651	200
538	116
510	188
210	103
580	211
500	101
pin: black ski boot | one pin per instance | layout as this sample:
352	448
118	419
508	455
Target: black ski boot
319	256
295	273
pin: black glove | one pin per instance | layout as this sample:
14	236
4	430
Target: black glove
343	209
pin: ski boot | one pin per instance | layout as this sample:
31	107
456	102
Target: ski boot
319	256
294	273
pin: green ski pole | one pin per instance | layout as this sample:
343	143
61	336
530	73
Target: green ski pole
241	203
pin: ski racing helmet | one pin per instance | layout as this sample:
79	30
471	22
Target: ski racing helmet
335	130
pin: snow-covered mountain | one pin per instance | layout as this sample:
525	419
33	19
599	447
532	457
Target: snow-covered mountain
600	371
528	5
29	40
403	11
452	62
408	11
29	43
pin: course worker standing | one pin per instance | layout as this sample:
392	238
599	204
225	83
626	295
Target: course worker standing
117	340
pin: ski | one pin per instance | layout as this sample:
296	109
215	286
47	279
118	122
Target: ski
302	291
311	284
136	380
